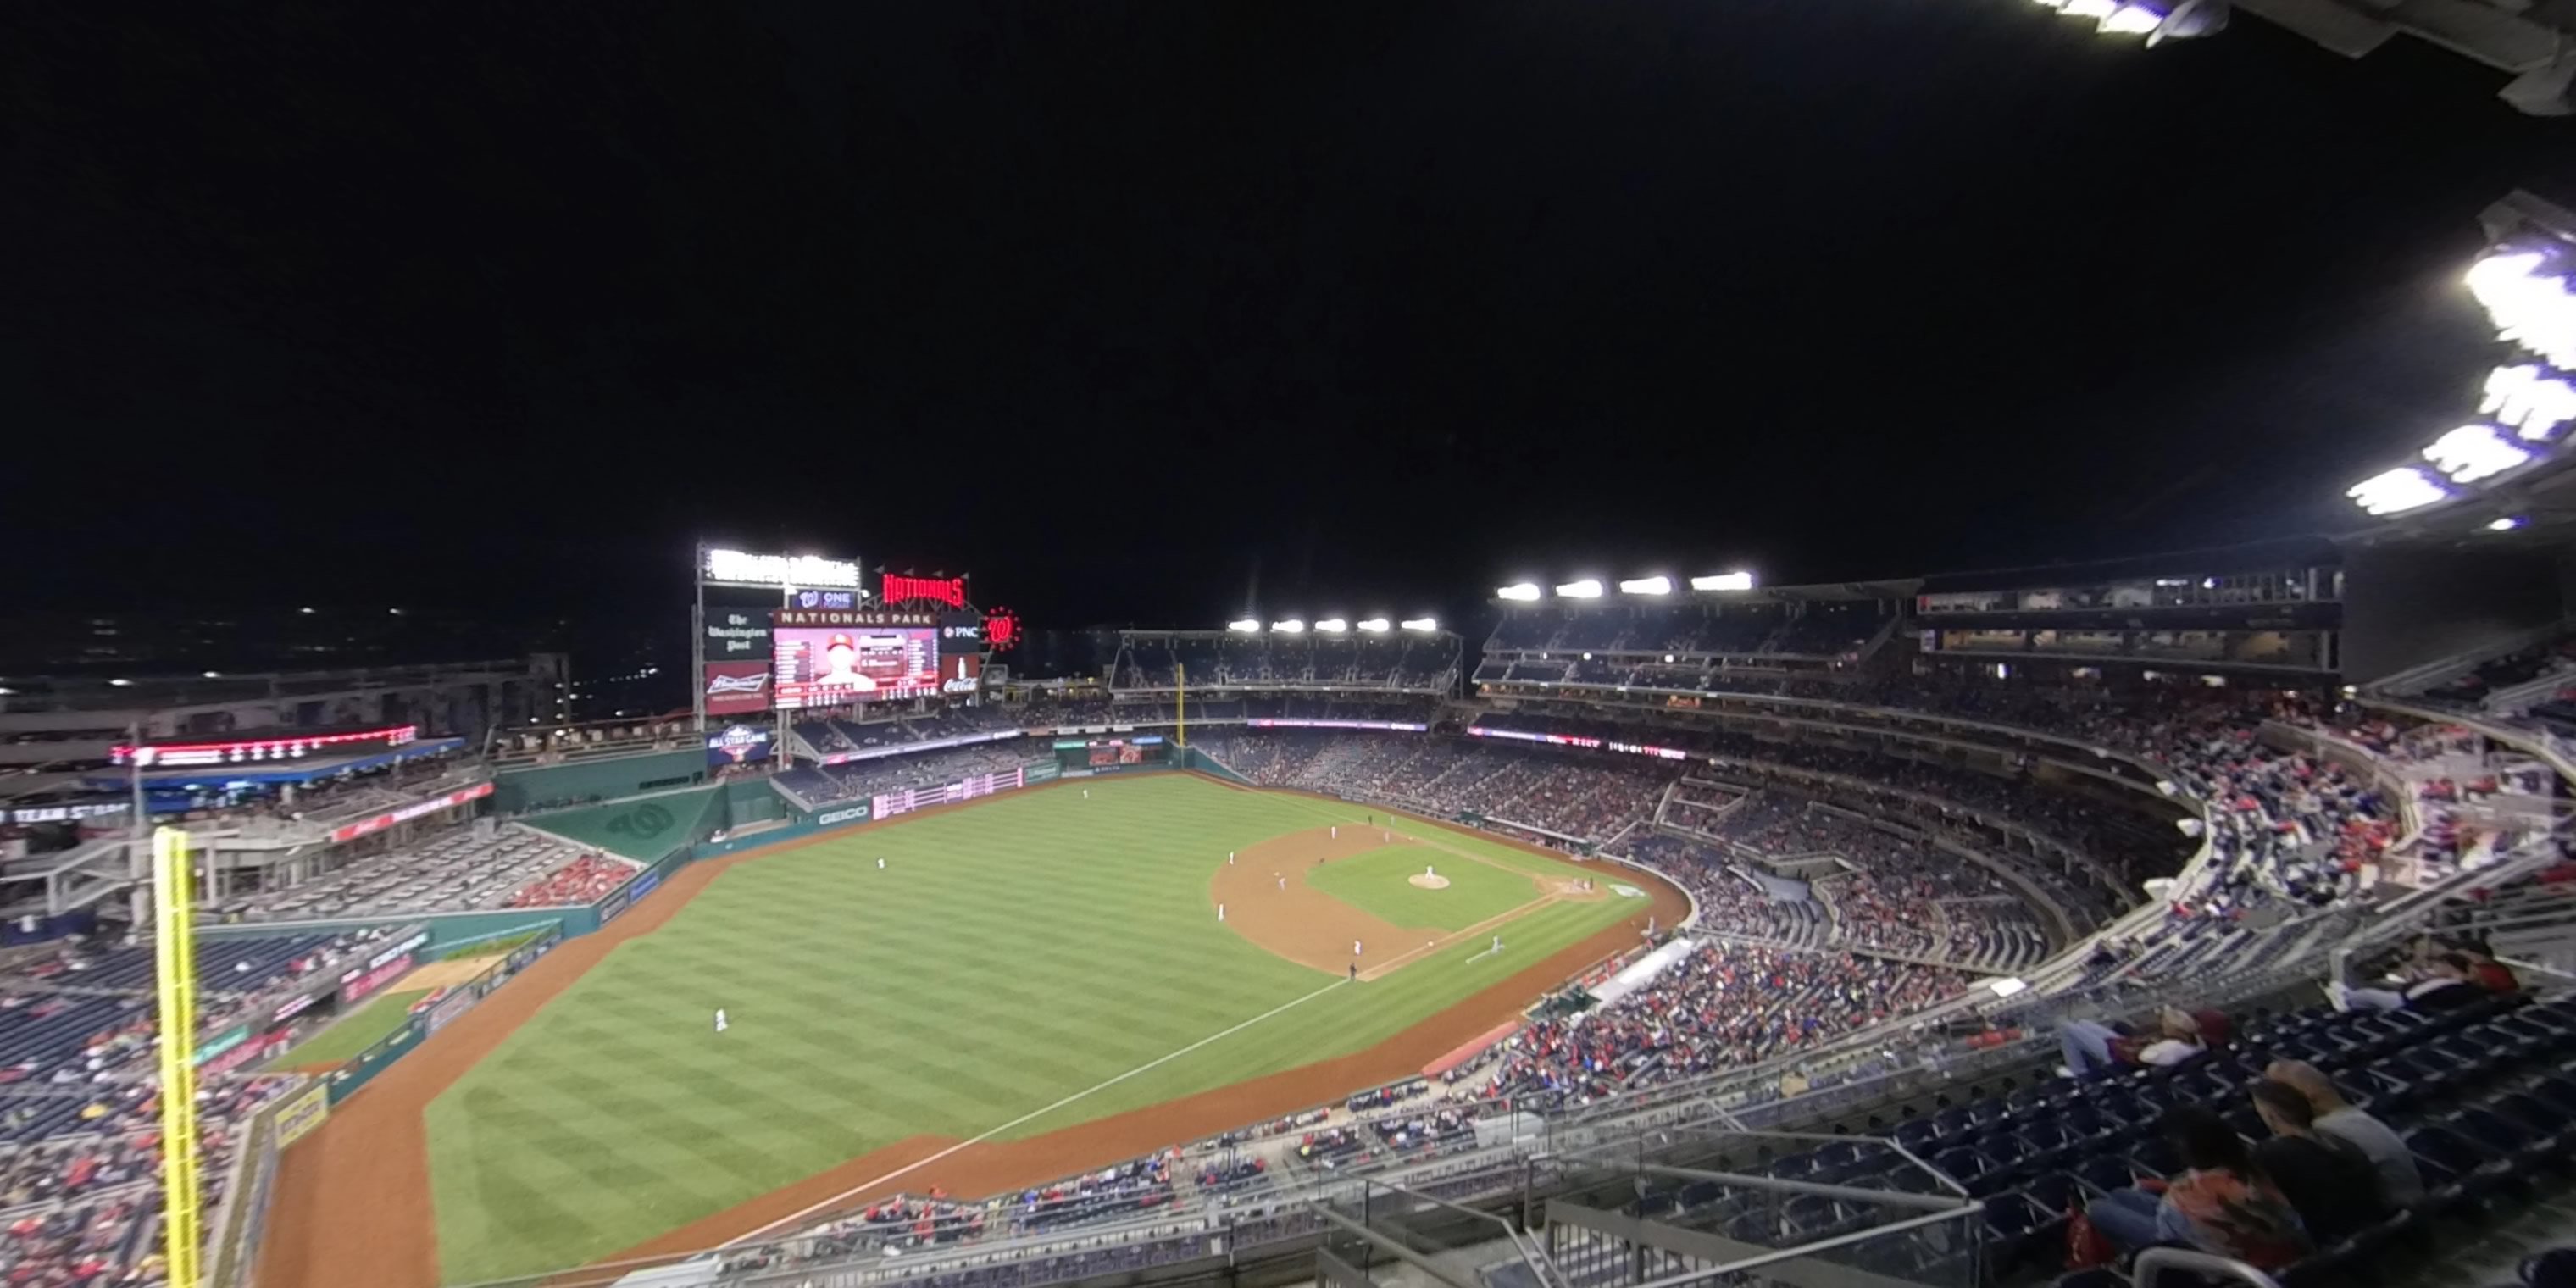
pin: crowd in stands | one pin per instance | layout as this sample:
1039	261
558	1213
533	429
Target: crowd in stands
1582	797
1724	1005
858	780
470	866
79	1102
587	879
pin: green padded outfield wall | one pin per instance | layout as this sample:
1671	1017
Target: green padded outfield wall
519	790
750	801
643	829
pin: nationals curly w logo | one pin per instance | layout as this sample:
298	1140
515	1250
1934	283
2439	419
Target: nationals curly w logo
642	822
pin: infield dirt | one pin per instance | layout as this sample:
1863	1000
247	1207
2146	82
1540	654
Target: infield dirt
352	1201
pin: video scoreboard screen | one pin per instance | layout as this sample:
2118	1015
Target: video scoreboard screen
825	666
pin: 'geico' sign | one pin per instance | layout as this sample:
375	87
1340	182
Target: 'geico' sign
780	570
829	817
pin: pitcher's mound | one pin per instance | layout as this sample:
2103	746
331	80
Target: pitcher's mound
1429	881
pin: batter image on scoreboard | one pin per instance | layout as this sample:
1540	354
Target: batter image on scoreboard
826	666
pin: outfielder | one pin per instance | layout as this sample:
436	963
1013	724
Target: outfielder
720	1019
880	865
1355	948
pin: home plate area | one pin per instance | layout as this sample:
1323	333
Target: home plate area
1365	899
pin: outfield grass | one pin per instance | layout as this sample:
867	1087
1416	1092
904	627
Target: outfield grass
344	1040
1016	952
1380	884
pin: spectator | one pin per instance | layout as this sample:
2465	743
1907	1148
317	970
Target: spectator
2444	986
2221	1203
2091	1046
2331	1185
2401	1183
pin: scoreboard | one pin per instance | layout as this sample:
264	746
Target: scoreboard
1111	755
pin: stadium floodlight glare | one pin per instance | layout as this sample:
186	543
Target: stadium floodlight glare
2052	4
1724	581
306	611
1374	625
1425	625
1290	627
1656	585
2132	20
2474	452
1332	626
2505	524
1588	588
2396	491
2531	305
1520	590
1246	626
120	683
212	675
2526	398
2094	9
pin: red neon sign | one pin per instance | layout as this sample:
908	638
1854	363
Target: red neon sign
280	745
1001	630
900	589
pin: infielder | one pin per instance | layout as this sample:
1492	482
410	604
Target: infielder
1355	948
1337	832
1283	883
1220	914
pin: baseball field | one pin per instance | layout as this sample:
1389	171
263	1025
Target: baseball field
1029	986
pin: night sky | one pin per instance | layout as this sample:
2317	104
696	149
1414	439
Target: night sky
1141	312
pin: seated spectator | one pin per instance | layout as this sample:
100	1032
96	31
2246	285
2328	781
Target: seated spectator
2484	970
2221	1204
2331	1185
2445	985
2400	1181
2091	1046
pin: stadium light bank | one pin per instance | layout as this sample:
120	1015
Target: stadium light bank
1333	626
1521	591
1423	625
1723	581
1588	588
1375	625
1246	626
2156	20
1656	585
2526	282
1292	626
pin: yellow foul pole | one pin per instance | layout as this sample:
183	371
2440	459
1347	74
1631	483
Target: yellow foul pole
175	971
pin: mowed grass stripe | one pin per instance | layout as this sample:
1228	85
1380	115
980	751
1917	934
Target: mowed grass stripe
1012	954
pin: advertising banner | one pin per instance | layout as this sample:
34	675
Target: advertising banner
242	1054
737	634
737	744
611	906
965	789
844	814
220	1043
1040	773
838	599
407	813
301	1113
1392	726
737	688
448	1008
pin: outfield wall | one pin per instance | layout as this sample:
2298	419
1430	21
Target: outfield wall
517	791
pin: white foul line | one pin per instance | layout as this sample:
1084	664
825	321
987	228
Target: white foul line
1034	1114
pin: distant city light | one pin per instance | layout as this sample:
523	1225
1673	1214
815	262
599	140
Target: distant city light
1724	581
1332	626
306	611
1523	590
2396	491
1247	626
2474	452
2506	524
1292	626
1588	588
1425	625
1647	586
121	683
213	675
1374	626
